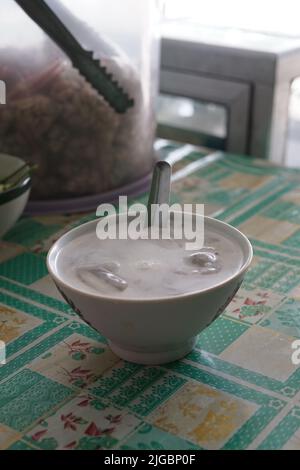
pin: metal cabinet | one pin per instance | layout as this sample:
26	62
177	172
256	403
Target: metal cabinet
249	75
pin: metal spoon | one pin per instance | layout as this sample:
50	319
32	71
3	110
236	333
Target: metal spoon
160	189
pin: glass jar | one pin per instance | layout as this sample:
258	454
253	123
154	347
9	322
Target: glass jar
55	119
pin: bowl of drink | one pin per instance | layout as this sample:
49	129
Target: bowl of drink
149	297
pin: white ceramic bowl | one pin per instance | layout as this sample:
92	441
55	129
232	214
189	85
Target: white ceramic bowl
12	201
152	331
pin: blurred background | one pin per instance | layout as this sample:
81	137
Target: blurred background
237	67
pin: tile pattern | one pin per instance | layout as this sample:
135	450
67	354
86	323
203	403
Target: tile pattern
62	387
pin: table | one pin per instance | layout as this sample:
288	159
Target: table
62	387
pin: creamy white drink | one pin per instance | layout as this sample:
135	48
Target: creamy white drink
145	269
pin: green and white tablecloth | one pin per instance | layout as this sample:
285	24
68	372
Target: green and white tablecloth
62	387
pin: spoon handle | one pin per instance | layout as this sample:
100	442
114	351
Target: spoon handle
160	188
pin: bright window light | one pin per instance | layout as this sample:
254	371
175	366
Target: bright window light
269	16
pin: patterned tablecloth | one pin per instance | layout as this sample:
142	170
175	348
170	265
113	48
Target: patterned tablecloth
62	387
